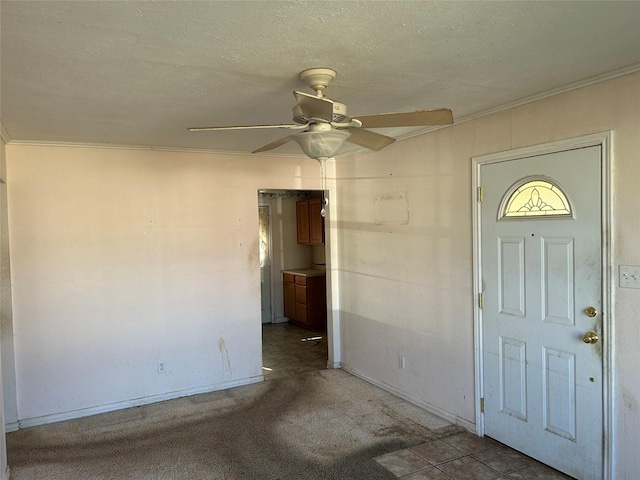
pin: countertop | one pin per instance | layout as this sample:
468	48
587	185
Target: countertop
306	272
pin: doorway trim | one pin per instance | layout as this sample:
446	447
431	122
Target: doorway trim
267	206
604	140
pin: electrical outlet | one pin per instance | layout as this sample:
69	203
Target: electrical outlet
403	362
629	276
162	366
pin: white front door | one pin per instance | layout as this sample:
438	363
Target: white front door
542	293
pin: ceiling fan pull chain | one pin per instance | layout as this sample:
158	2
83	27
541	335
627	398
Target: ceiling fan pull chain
323	171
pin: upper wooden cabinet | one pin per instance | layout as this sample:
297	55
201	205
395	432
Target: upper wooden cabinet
316	222
302	222
310	222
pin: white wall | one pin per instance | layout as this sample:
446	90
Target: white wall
5	315
121	258
404	231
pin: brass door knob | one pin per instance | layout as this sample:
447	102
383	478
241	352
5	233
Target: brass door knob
591	311
590	337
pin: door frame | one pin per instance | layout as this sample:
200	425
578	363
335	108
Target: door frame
271	293
604	140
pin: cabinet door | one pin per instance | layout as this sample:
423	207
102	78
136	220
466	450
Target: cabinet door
316	303
289	301
301	314
316	222
302	221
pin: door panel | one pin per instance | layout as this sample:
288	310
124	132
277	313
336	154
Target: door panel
511	276
559	393
542	384
513	378
557	280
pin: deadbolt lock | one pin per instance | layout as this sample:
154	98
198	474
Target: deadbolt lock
591	311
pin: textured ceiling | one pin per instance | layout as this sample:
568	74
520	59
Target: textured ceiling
140	73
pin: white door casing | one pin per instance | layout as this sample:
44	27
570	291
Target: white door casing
264	239
542	386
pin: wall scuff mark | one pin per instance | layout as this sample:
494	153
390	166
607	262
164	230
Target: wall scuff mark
226	361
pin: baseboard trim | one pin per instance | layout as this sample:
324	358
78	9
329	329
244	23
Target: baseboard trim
138	402
11	427
429	407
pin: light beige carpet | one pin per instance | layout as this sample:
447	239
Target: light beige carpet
321	425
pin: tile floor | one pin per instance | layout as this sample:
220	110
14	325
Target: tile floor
284	352
464	456
291	350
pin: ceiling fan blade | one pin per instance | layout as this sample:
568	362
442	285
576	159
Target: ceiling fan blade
419	118
369	139
313	106
273	145
247	127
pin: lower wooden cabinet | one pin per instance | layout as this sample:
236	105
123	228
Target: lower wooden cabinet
289	296
305	300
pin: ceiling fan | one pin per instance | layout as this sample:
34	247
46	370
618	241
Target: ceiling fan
326	126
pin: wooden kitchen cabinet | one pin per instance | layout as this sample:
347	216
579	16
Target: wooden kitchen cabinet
302	222
316	222
305	300
289	295
310	222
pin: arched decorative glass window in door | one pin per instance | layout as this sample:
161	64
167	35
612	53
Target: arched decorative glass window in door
535	197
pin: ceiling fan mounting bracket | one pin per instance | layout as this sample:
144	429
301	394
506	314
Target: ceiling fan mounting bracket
318	78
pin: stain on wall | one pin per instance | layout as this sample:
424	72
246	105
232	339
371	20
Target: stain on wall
226	361
391	209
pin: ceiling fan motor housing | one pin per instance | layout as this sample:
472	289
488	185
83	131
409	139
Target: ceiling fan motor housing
339	114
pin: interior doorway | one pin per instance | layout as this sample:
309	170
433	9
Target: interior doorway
281	250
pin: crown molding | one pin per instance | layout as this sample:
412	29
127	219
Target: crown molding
620	72
630	69
43	143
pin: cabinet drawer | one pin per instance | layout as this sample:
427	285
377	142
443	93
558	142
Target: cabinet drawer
301	294
300	280
287	278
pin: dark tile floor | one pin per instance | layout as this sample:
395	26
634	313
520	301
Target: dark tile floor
290	350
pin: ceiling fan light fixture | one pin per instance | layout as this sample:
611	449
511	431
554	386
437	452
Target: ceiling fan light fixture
323	144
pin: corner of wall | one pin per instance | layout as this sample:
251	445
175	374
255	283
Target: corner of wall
3	160
4	134
3	169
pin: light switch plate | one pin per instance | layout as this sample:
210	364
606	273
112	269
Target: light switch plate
629	276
